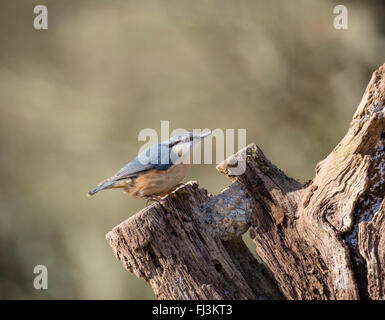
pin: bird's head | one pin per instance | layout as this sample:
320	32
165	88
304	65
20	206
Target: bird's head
181	145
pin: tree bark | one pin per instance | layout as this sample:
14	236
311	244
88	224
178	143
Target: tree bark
321	240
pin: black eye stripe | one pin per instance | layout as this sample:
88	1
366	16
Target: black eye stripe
191	138
173	144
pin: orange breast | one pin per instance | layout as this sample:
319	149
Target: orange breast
156	182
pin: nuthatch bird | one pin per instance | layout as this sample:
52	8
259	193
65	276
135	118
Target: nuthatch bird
156	171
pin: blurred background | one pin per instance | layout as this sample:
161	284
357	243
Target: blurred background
73	99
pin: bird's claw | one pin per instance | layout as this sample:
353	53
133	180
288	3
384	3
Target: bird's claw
153	198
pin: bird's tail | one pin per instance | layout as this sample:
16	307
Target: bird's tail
101	187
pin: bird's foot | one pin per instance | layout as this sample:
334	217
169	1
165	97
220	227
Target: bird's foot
153	198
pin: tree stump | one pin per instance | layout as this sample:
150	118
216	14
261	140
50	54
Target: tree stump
321	240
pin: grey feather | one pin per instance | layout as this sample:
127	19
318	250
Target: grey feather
101	187
156	157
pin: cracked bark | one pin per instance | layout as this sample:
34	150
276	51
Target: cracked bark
321	240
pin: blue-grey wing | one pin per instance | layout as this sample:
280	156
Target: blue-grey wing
132	168
156	157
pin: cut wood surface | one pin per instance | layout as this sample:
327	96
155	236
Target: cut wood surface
321	240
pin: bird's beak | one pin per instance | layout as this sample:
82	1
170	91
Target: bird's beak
204	135
199	137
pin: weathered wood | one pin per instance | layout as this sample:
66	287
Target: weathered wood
329	244
321	240
179	254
